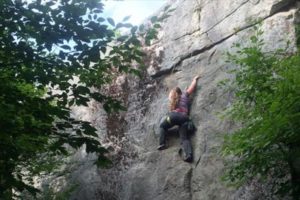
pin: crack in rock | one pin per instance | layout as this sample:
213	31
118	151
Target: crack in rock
204	150
228	15
211	56
186	34
208	47
275	9
188	182
197	11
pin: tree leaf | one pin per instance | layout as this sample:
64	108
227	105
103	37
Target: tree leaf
111	21
153	19
67	47
126	18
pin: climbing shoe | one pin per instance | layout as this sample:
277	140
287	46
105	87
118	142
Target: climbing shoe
180	151
188	158
161	147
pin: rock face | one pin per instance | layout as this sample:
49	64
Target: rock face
192	41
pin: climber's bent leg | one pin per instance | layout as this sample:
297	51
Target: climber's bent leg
163	128
178	118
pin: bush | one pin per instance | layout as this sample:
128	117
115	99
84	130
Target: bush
267	104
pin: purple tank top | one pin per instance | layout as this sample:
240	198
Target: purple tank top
183	104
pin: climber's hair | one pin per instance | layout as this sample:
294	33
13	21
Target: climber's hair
174	97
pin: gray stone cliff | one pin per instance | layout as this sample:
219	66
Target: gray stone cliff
192	41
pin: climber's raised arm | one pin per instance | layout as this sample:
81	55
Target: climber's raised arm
193	85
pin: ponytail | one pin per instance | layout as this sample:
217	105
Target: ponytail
174	98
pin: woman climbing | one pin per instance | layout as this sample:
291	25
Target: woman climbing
179	111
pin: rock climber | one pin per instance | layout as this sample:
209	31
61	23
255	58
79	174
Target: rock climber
179	115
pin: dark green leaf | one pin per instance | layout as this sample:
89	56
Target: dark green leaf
141	27
126	18
111	21
67	47
153	19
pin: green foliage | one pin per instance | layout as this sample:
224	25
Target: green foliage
45	46
267	104
155	20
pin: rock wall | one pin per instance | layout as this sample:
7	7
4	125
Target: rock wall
192	41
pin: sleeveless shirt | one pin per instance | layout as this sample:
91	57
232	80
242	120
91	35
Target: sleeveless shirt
183	104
